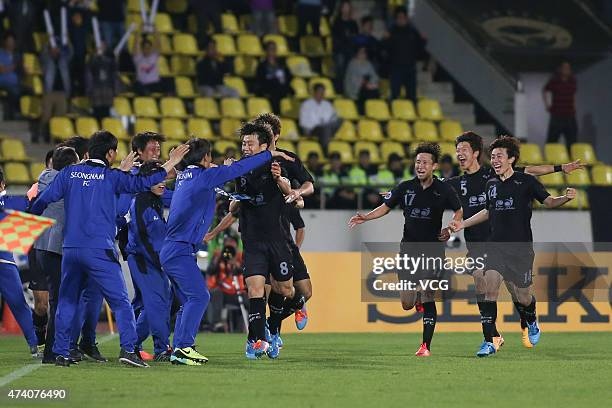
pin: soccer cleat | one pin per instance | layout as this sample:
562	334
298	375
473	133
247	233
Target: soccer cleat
533	332
189	353
63	361
525	339
498	341
36	352
486	349
177	357
419	307
132	359
145	356
301	318
163	356
274	349
75	355
249	351
92	352
423	351
267	333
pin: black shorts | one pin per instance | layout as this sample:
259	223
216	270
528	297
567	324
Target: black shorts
431	255
300	272
476	250
513	261
38	281
268	259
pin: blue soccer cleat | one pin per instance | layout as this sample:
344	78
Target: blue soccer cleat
256	349
301	318
267	333
249	350
486	349
534	332
274	349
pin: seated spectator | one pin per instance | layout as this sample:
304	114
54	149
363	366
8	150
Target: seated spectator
337	195
447	167
210	71
313	164
318	117
264	19
9	80
309	12
361	79
367	40
396	166
272	77
344	31
102	81
365	173
146	61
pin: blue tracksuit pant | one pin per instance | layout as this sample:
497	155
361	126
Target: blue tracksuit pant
87	315
12	292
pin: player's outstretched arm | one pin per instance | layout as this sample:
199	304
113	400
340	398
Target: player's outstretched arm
305	189
554	202
225	223
176	155
378	212
543	169
480	217
222	174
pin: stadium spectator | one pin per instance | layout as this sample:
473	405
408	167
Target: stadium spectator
9	79
78	32
315	167
367	40
562	107
318	117
309	12
447	167
264	19
207	12
111	14
397	167
361	79
146	61
365	163
337	195
210	71
22	15
344	31
272	77
102	81
57	85
404	45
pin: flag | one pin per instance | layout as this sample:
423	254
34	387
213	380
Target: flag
19	230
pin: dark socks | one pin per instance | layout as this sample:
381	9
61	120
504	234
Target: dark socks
257	318
291	305
520	309
40	327
487	319
430	315
530	311
276	302
495	332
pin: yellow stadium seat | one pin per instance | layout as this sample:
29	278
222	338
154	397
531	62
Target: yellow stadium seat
164	69
185	44
578	178
299	66
312	46
30	106
285	145
530	153
232	108
556	153
145	106
173	107
166	147
221	146
206	108
40	39
328	67
176	6
425	131
228	128
200	128
225	44
346	132
377	109
17	173
403	109
399	131
583	152
86	126
145	125
115	126
245	67
238	84
552	179
346	109
288	25
35	169
387	148
13	149
282	49
133	6
369	130
370	147
80	104
602	175
31	65
429	109
61	128
229	23
447	148
135	18
34	82
184	87
248	44
173	129
342	148
122	106
290	107
163	23
307	146
449	130
289	129
183	65
165	45
324	27
255	106
329	87
300	89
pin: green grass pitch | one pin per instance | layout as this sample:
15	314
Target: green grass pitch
338	370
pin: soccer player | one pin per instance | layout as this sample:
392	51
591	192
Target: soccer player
10	282
423	200
187	224
509	198
89	190
470	187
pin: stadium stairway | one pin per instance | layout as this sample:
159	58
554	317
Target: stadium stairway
20	129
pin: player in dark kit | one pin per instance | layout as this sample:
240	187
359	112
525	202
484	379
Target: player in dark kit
423	200
509	198
470	187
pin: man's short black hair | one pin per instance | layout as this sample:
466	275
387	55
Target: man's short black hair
400	10
312	155
149	167
429	147
335	156
511	144
364	152
271	120
140	141
446	159
64	156
318	86
78	143
263	132
7	34
473	139
393	157
100	143
366	19
48	157
198	148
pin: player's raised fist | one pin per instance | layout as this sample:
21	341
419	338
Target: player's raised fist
570	193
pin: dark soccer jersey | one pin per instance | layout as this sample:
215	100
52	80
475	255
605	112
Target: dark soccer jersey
294	170
509	203
291	216
423	209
